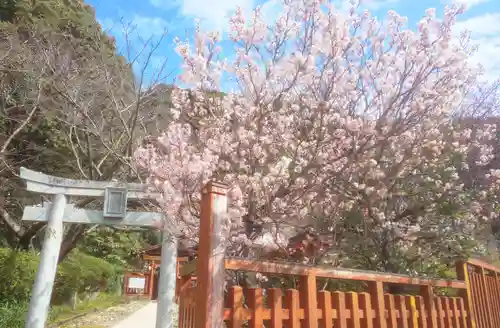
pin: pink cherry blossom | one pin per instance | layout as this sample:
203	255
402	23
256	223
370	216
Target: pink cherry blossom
332	113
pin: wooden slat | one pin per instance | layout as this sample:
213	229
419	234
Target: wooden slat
236	305
440	312
493	307
366	304
403	314
275	303
353	305
427	293
191	321
292	301
338	299
422	313
445	303
456	312
411	305
478	300
255	301
181	312
309	302
486	295
461	308
482	296
391	311
376	289
475	299
325	305
187	308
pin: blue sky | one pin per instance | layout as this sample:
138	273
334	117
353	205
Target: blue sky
150	18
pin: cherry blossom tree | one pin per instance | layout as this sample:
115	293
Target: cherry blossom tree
335	121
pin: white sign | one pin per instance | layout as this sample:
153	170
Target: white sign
137	283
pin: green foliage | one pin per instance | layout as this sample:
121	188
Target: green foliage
8	9
116	247
12	314
68	31
77	273
73	17
83	274
18	273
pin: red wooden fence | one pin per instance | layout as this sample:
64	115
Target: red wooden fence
187	303
342	310
204	304
306	307
485	293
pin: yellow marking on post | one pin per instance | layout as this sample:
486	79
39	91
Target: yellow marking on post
413	307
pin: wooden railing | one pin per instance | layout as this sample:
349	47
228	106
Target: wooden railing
484	280
339	309
207	305
187	303
305	307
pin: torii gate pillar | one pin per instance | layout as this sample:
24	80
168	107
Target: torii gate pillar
44	280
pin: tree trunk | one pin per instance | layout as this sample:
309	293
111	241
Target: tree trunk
74	300
26	239
70	241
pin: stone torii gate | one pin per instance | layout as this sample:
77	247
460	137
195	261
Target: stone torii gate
114	213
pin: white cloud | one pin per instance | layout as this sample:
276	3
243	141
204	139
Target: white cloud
482	25
213	14
485	32
146	26
378	4
469	3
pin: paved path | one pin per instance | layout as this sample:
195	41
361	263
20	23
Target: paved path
143	318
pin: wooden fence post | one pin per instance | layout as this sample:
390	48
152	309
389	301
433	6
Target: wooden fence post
308	295
151	280
427	293
463	274
210	261
376	290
